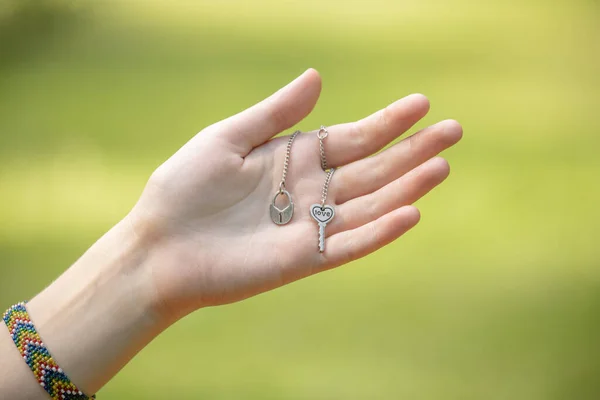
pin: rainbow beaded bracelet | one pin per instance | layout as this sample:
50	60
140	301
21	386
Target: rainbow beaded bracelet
29	343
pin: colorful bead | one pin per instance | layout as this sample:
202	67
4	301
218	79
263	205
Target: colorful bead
32	349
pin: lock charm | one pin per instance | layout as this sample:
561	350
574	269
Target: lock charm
279	216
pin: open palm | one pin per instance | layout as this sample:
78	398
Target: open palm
207	207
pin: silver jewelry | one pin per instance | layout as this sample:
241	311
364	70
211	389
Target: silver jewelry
323	213
322	134
283	216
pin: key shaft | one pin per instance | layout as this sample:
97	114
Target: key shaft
321	237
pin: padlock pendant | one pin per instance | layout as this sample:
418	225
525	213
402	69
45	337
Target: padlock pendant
279	216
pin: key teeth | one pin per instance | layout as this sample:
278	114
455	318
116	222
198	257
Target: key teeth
321	237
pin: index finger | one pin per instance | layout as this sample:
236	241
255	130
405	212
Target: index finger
356	140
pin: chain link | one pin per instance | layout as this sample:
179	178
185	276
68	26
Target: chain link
326	187
286	163
322	134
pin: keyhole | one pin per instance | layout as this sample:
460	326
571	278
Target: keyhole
280	218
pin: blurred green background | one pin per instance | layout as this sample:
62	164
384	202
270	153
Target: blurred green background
495	295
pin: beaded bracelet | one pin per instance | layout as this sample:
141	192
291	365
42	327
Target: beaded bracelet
29	343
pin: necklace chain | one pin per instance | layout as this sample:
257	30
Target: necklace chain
326	186
286	162
322	134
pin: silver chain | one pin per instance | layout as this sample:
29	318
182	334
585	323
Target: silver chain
286	163
322	134
326	186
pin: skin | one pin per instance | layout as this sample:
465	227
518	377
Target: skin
200	234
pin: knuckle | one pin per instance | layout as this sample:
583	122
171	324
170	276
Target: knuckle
378	171
374	232
351	249
358	137
279	118
413	143
372	210
385	119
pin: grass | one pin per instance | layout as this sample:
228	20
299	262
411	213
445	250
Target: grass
494	295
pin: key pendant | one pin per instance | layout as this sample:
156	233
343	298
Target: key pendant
322	214
279	216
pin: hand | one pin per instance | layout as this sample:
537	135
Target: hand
206	209
202	233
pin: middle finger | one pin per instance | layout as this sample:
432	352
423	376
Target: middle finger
370	174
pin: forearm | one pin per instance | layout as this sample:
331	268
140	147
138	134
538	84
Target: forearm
93	319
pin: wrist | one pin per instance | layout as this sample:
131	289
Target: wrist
97	315
169	248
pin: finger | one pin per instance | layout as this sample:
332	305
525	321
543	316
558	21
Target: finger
282	110
353	141
369	174
404	191
356	243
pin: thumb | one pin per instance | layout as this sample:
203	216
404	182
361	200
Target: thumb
282	110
